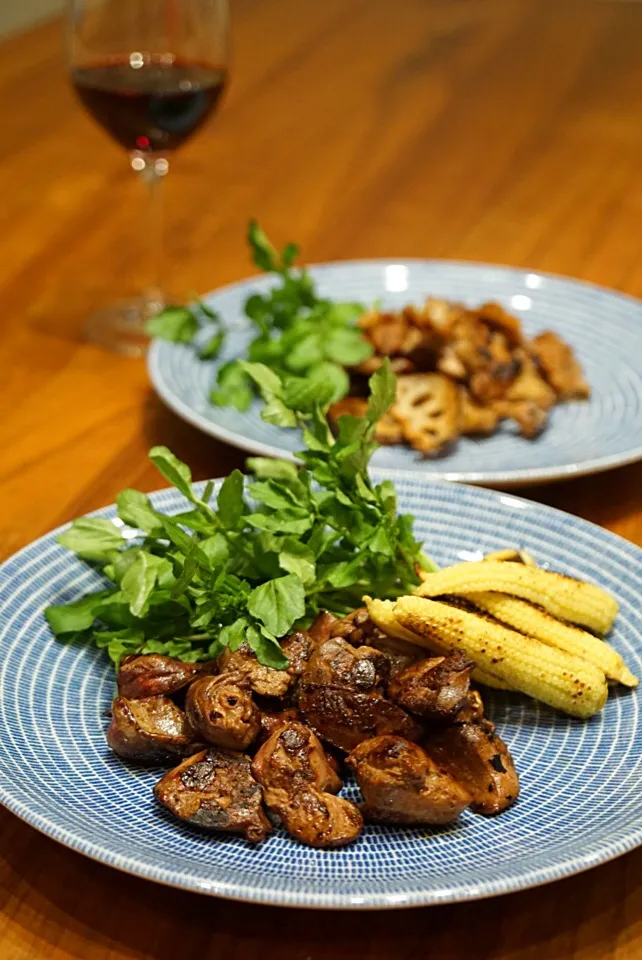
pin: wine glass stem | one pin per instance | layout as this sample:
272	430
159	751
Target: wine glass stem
153	169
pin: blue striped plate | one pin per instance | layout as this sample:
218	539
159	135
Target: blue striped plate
581	782
604	328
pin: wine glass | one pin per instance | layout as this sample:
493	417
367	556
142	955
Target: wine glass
150	72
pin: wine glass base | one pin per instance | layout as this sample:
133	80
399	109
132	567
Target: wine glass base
121	327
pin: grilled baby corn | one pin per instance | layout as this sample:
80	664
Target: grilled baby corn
545	673
382	614
510	554
524	617
582	603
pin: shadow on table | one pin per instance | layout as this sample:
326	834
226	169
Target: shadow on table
78	908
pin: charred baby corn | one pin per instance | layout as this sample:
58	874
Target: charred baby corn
567	599
512	555
524	617
545	673
382	614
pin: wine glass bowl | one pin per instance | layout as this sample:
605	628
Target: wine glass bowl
152	106
150	72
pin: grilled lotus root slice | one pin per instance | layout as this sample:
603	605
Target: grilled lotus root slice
528	416
427	407
441	315
395	333
583	603
545	673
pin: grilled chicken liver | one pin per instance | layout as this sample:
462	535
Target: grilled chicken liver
357	628
480	761
153	730
315	818
434	689
401	784
322	626
293	757
298	785
265	680
272	720
400	653
344	717
215	789
473	711
153	675
298	649
221	709
335	661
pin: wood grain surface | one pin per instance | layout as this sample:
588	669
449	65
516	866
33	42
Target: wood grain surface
508	132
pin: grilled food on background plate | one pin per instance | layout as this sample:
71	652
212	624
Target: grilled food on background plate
461	371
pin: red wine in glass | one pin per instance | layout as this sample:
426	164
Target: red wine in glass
150	72
149	106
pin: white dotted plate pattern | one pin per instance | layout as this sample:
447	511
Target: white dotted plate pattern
604	328
581	782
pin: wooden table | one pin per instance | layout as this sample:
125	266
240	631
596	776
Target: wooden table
507	132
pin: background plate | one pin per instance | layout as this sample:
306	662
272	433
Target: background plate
581	782
604	328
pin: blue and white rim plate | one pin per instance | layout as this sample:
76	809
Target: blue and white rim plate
604	328
581	782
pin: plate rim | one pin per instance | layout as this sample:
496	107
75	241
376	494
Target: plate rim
607	850
506	478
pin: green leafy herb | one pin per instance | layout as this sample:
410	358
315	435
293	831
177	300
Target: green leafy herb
178	473
135	509
211	349
183	325
267	556
178	324
77	616
139	581
298	335
92	538
234	387
230	500
278	603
